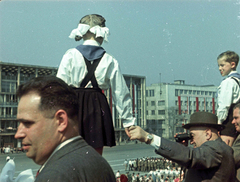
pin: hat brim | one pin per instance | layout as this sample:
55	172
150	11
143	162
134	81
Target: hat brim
219	127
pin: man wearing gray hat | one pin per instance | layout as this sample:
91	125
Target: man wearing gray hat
210	159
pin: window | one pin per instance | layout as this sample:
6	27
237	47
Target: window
161	103
185	91
161	121
151	94
14	111
146	112
1	112
8	110
153	112
147	103
152	103
176	92
161	112
213	95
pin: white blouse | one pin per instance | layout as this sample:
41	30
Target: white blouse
73	69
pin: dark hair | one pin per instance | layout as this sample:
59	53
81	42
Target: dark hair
92	20
237	106
230	57
55	94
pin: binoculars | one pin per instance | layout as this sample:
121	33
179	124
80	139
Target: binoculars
183	136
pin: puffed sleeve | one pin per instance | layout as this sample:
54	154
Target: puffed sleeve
64	69
121	95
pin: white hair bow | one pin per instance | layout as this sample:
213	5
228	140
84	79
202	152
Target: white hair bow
97	30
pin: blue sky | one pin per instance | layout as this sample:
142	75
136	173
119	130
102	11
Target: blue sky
179	39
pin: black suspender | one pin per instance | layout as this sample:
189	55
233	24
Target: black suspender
236	80
90	75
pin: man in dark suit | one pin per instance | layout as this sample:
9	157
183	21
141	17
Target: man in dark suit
47	116
211	159
236	143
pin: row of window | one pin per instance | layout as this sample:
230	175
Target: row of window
153	121
160	112
150	93
194	92
160	103
193	103
8	98
178	92
8	111
8	86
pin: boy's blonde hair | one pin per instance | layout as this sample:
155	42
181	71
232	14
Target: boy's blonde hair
230	57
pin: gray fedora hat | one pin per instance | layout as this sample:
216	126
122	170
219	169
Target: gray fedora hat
204	119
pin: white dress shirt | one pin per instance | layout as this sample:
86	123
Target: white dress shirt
73	69
156	142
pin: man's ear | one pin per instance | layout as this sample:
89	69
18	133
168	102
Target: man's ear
208	134
62	120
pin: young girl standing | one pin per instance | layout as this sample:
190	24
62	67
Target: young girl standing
90	70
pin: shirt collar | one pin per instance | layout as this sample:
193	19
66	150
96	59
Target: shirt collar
91	42
232	72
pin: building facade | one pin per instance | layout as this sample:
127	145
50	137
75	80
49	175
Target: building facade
12	75
169	105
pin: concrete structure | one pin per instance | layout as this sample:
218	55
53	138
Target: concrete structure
12	75
169	105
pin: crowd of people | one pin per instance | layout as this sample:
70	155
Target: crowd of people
10	150
148	164
150	169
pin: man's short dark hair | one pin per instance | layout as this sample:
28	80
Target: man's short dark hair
55	94
236	106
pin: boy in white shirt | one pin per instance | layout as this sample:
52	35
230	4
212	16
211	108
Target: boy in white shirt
228	93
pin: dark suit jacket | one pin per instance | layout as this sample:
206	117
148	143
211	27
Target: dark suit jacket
77	161
236	155
212	161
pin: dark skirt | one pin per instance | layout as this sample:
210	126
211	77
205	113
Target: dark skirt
95	118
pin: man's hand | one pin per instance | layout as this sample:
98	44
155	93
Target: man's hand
138	133
127	132
183	142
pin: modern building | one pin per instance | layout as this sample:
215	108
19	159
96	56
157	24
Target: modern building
12	75
169	105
